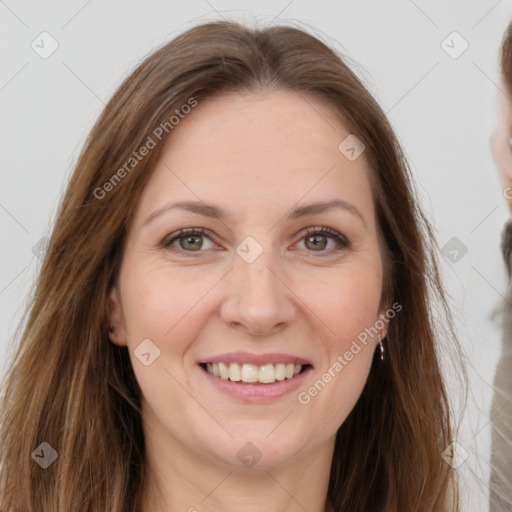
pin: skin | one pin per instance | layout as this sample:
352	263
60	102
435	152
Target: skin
500	148
257	155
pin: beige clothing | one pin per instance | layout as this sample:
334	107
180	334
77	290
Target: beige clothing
501	410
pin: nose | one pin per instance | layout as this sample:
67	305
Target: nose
258	300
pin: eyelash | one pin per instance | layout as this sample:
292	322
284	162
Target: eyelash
342	242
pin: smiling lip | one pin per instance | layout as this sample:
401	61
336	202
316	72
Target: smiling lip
256	359
257	393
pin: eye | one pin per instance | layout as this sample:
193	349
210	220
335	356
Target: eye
189	240
316	239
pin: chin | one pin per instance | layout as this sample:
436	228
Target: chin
257	450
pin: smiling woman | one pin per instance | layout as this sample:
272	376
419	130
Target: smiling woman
268	248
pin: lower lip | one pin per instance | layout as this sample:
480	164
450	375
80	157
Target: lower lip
257	392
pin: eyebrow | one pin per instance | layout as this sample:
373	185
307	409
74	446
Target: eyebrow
212	211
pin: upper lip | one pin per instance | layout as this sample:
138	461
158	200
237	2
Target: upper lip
256	359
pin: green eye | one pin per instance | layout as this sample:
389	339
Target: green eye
316	244
314	239
190	240
185	241
317	239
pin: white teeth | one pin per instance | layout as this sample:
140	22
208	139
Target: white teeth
235	372
249	373
280	371
224	371
266	374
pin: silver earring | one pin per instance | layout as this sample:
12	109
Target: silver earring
381	349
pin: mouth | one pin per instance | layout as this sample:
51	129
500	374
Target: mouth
245	373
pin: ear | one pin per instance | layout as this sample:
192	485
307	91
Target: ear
117	330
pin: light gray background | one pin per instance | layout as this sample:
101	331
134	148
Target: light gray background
443	110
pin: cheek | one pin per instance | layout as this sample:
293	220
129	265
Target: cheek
334	392
351	314
162	306
150	306
166	306
346	301
347	305
499	148
158	302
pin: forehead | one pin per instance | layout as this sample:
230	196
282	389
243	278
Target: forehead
280	122
256	149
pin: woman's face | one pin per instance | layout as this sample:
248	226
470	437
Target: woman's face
253	290
500	146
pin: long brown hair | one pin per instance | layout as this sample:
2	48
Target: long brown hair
506	59
72	388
